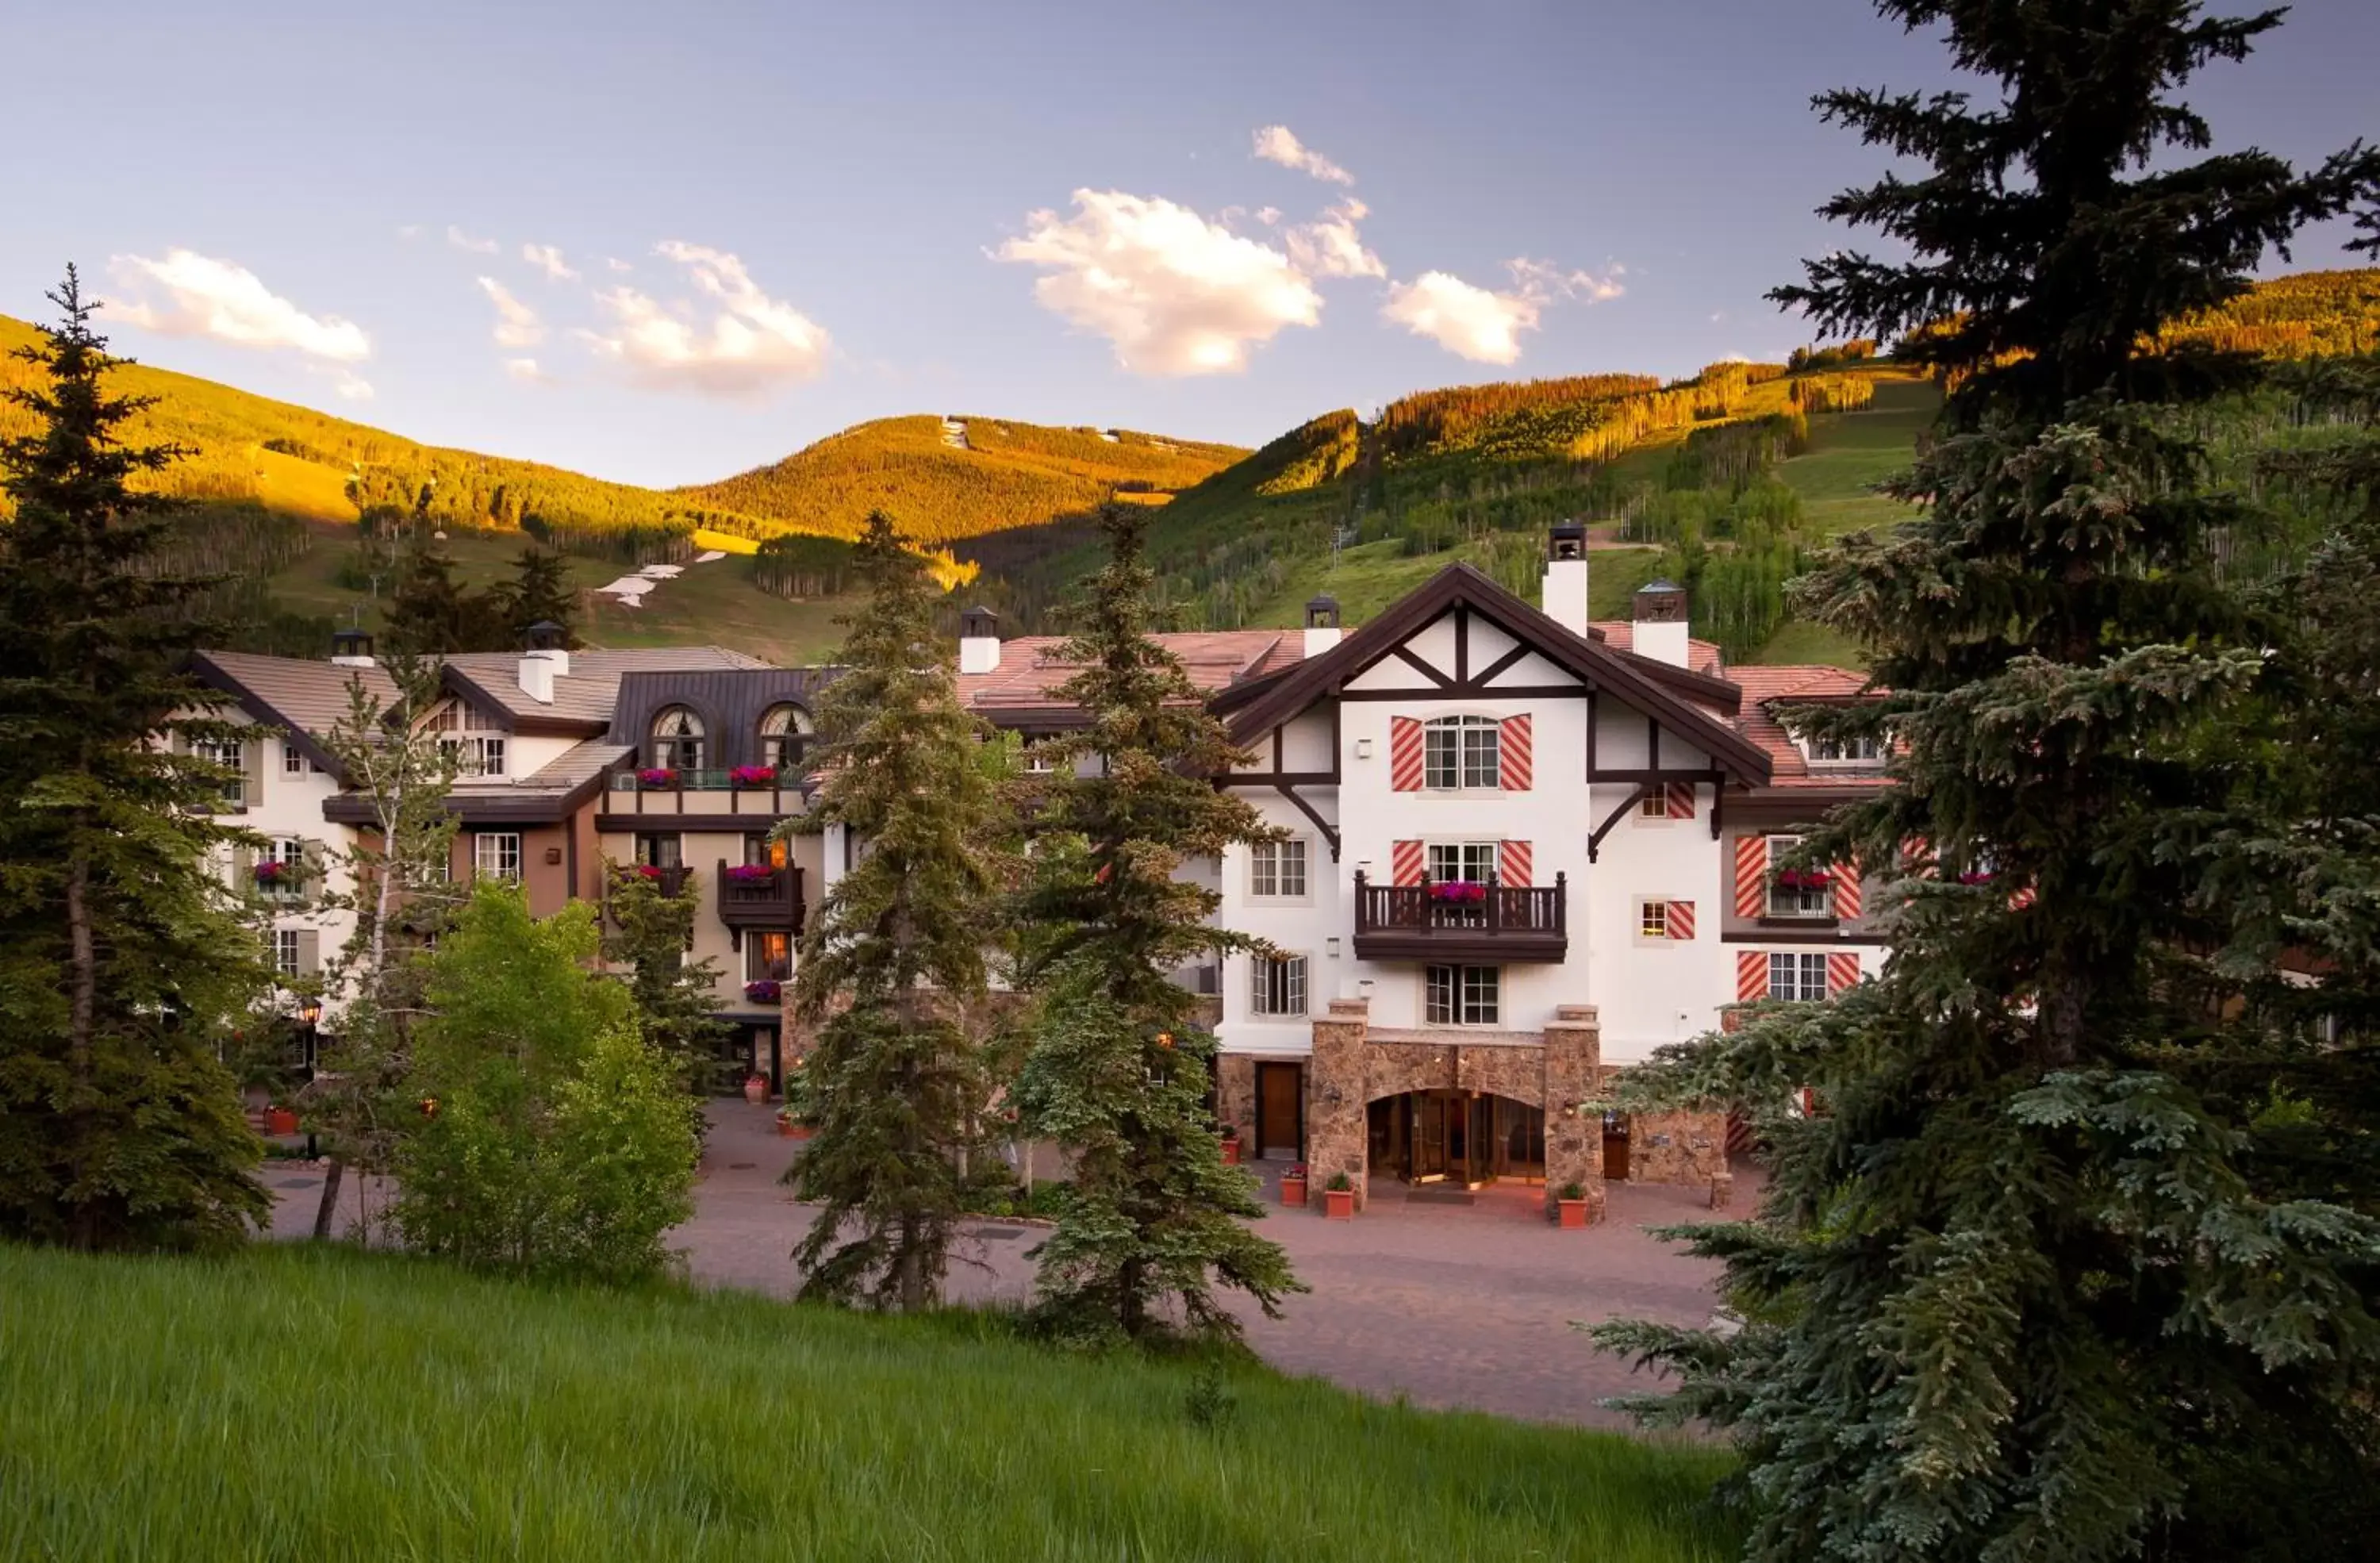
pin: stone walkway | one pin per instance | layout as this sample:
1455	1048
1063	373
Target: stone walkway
1447	1305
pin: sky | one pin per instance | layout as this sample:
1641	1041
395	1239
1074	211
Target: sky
663	245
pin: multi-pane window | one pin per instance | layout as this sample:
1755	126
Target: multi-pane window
288	951
496	854
229	753
1797	976
1277	869
1459	753
1462	995
766	852
677	740
281	867
1796	892
1473	862
1278	986
767	957
1862	750
1653	919
293	759
785	739
473	739
660	851
1656	805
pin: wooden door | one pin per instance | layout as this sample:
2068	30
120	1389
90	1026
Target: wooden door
1280	1130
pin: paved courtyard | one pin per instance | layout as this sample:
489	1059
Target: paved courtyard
1449	1305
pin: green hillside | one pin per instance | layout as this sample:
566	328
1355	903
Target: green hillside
955	478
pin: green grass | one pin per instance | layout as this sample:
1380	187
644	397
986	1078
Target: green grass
323	1405
1798	643
1849	452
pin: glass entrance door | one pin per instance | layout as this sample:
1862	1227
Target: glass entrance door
1428	1163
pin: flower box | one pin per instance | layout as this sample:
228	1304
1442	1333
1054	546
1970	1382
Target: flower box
1458	892
753	776
750	873
1976	877
764	990
272	871
1804	878
1570	1206
656	776
1339	1204
1230	1147
649	870
756	1088
1293	1185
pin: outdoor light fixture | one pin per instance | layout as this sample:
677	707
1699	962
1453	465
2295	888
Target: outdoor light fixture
1363	748
1364	989
1330	948
310	1011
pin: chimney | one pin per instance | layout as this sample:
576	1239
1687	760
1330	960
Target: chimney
979	641
1661	623
351	648
537	677
1564	596
1322	629
547	640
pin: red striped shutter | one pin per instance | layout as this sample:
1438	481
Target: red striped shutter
1515	756
1515	860
1405	863
1751	975
1680	803
1847	890
1404	755
1842	971
1681	919
1751	877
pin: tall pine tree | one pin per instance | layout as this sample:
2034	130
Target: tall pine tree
892	971
2039	1282
1121	1074
123	964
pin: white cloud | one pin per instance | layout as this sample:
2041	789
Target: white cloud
1473	322
1330	247
525	370
409	232
516	324
462	240
614	263
204	296
1175	293
1268	215
352	387
547	259
1275	144
749	346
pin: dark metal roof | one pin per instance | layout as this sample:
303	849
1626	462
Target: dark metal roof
731	702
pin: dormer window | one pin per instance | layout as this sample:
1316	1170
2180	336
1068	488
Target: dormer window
785	739
677	737
472	738
1461	753
1864	749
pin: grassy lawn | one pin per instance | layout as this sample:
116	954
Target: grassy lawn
1851	452
289	1404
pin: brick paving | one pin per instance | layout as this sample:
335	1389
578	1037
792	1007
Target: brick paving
1448	1306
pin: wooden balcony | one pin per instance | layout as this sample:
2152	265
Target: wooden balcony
771	903
1432	922
671	880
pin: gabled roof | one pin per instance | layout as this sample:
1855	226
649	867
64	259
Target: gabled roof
1767	688
303	698
584	697
1676	697
1030	669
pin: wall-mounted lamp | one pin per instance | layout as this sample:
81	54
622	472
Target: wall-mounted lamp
1364	988
1330	948
1570	1110
1363	748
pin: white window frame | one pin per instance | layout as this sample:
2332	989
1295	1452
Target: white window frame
1651	910
1460	997
1489	856
1865	753
1462	754
1280	870
488	853
293	759
756	964
290	852
1654	805
1796	901
1797	975
288	948
1280	989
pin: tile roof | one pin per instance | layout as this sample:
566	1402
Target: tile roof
1702	656
1764	686
585	694
302	696
1215	659
568	770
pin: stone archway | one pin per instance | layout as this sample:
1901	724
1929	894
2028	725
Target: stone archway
1557	1073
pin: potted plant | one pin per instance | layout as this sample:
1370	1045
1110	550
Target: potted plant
791	1125
756	1088
750	873
1231	1144
656	777
1458	892
1339	1198
752	776
1292	1184
1570	1200
279	1119
764	990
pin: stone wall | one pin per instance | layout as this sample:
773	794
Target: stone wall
1681	1147
1336	1136
1235	1094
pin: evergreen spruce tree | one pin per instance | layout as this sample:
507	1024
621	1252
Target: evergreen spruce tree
124	966
2055	1273
892	971
538	592
431	614
1120	1074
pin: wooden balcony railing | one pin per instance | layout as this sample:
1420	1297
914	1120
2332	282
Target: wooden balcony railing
1433	921
770	902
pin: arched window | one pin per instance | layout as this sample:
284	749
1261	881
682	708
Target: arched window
784	737
678	739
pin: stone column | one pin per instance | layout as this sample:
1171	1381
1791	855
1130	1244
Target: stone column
1573	1133
1336	1136
1235	1094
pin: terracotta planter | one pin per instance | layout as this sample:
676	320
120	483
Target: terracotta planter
1231	1152
788	1130
1292	1190
1573	1213
280	1120
1339	1204
756	1090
